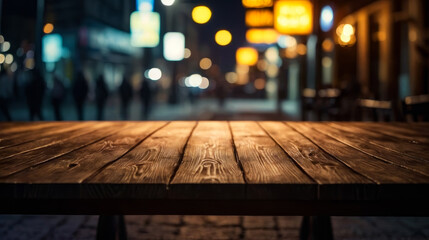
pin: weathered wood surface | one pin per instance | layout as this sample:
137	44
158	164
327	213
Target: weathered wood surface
267	161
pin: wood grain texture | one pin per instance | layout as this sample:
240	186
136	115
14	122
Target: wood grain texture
209	167
379	171
53	137
402	147
336	180
20	162
266	167
149	167
152	161
35	134
80	164
364	145
421	137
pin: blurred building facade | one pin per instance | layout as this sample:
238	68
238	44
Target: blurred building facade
96	38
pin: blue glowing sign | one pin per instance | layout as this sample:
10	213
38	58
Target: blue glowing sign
326	18
144	5
52	45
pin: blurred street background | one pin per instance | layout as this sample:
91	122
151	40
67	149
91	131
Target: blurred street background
336	60
188	59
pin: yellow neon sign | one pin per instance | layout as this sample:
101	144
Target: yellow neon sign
257	3
259	18
262	36
293	17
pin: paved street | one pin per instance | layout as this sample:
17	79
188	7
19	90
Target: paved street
209	227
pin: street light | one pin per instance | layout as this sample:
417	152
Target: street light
167	2
201	14
247	56
223	37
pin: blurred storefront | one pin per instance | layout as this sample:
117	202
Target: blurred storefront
96	39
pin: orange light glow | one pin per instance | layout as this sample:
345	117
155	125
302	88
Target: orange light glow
259	83
262	36
247	56
223	37
327	45
257	3
201	14
48	28
346	34
293	17
259	18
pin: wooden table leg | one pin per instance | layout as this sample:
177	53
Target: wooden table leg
315	228
111	227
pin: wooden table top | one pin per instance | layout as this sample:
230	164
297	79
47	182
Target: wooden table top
214	160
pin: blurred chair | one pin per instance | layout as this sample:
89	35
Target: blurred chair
329	106
308	104
375	110
416	108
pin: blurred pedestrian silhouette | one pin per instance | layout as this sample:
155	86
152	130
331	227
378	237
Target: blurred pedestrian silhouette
35	91
101	94
80	92
146	97
126	92
57	97
6	91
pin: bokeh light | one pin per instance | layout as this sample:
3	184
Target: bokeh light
8	59
231	77
188	53
195	80
327	45
2	58
5	46
346	34
247	56
262	36
223	37
259	83
285	41
48	28
201	14
293	17
257	3
205	63
174	46
167	2
326	18
205	83
154	74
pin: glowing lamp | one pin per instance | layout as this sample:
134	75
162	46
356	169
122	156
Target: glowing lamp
144	5
246	56
259	18
326	18
201	14
52	46
145	27
257	3
262	36
174	46
48	28
293	17
223	37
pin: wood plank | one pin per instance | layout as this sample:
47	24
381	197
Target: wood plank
20	127
336	180
362	144
78	165
37	134
151	164
209	168
52	138
419	151
20	162
375	169
395	131
268	171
